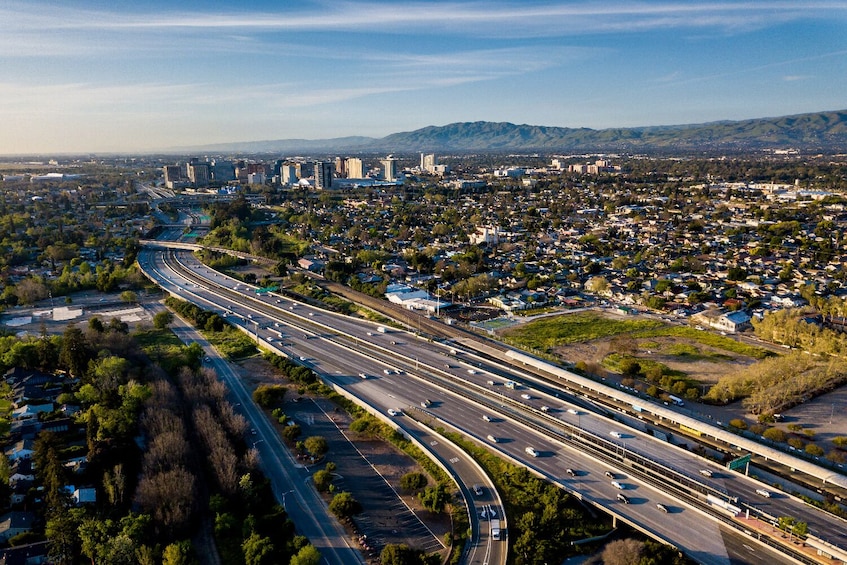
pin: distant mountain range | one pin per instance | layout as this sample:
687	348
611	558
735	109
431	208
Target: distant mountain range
822	131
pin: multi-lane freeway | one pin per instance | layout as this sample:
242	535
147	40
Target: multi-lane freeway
470	392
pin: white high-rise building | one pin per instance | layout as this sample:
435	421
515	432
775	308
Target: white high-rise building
389	168
428	162
355	168
288	174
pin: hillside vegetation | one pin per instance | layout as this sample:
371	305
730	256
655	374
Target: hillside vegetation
826	131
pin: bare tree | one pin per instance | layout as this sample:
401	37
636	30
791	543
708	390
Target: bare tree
168	496
623	552
234	423
166	451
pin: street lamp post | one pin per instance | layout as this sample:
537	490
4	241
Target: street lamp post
283	498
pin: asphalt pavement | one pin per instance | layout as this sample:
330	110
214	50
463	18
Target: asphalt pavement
289	478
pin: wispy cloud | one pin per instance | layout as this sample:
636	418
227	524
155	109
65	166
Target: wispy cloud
746	71
26	101
668	78
553	18
83	64
35	99
64	31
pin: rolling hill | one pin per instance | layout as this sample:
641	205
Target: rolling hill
821	131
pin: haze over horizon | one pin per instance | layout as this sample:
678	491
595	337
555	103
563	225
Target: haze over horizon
86	76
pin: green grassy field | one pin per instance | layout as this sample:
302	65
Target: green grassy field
494	324
708	338
157	338
162	345
687	352
548	333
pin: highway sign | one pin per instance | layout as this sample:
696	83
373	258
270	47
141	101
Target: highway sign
739	463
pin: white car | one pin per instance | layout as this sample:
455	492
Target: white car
616	434
573	411
395	412
618	485
763	492
486	417
532	451
545	408
706	472
477	490
492	439
526	396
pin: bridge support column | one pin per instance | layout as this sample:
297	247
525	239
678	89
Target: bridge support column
614	522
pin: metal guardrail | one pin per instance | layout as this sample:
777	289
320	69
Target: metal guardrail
312	325
648	470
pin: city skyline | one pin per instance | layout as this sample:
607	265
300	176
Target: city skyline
87	76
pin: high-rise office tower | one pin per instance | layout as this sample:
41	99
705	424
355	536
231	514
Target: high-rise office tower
355	168
323	174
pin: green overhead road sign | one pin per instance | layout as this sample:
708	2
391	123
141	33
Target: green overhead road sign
267	289
739	463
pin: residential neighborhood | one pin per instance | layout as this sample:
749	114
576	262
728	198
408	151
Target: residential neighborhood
552	234
482	242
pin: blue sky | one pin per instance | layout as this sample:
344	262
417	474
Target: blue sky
119	76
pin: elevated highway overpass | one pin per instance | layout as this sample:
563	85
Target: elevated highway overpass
328	326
